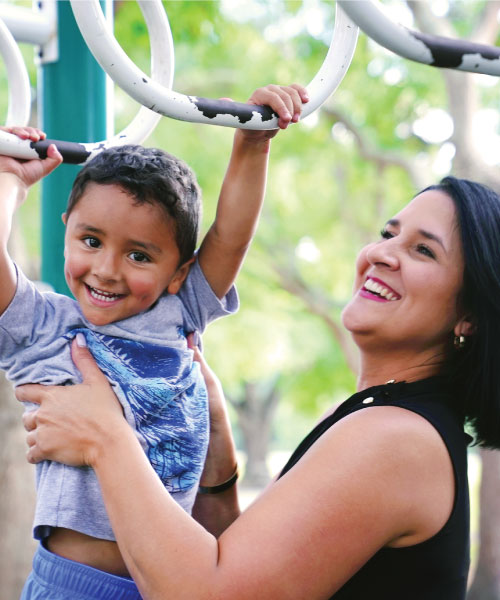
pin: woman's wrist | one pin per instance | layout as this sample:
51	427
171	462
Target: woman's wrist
109	442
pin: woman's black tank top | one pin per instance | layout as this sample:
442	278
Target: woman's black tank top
437	568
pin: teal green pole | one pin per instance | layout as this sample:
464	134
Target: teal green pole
73	97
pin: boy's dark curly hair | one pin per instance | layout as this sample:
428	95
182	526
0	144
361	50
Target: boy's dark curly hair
152	176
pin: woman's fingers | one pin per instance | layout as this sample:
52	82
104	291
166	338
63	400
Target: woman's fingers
29	420
206	371
32	392
84	361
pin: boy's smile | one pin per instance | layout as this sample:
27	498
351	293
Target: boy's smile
120	255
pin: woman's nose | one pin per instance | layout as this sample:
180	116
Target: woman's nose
383	253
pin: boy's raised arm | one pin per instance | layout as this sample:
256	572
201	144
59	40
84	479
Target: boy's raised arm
16	177
228	239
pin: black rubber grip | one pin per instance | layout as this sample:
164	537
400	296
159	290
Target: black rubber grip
72	152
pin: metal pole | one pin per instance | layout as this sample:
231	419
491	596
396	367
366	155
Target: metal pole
73	99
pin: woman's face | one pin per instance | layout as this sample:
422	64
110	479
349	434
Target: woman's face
407	283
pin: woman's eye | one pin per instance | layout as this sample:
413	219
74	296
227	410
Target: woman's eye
386	234
423	249
91	242
139	257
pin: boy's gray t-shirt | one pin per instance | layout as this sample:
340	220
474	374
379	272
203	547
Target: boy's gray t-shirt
150	367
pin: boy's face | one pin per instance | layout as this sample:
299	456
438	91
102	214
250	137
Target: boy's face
120	257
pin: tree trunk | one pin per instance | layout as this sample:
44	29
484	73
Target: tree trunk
486	583
255	413
17	497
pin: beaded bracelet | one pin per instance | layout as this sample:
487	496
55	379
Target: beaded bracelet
222	487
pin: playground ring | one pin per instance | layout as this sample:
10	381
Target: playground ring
157	98
433	50
162	70
205	110
19	106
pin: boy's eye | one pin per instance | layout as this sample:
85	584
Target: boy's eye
139	257
91	242
386	234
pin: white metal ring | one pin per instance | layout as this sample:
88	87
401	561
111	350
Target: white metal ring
162	70
196	109
428	49
18	80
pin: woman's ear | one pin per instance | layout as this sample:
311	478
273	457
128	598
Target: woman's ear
465	327
64	218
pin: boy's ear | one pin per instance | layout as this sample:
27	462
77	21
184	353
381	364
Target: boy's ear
64	218
180	275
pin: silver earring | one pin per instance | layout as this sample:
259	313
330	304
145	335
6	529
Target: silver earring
459	342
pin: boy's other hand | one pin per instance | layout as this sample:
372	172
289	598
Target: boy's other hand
29	171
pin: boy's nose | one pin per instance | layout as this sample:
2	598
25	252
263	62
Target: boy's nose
106	267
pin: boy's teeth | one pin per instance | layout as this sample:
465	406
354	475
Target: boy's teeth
101	295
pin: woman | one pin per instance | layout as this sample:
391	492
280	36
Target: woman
374	501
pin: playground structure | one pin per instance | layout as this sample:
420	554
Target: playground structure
154	92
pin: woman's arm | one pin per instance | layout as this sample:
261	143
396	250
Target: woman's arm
379	477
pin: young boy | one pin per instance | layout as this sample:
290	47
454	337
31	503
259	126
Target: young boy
131	230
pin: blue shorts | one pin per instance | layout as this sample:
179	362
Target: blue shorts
57	578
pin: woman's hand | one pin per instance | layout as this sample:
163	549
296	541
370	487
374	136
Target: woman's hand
29	172
73	422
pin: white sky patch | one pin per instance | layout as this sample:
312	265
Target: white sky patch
242	11
307	250
286	29
341	134
375	67
315	19
485	81
486	133
435	127
312	18
311	120
393	75
443	161
403	130
277	353
440	7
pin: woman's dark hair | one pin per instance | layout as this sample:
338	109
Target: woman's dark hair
151	176
475	369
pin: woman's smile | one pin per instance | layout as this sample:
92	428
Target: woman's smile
378	290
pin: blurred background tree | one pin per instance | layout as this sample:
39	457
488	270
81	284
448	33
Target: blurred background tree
392	128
